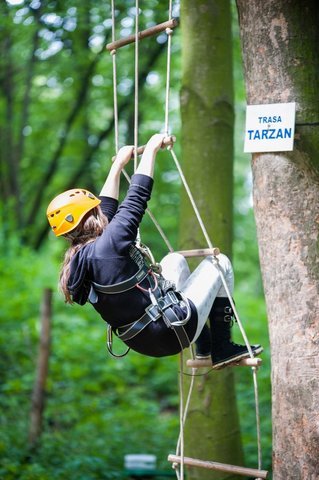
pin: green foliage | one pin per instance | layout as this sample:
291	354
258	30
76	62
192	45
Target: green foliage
97	408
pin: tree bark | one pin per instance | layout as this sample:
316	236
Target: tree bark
212	428
38	396
280	43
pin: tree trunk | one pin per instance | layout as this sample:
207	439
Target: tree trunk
280	42
38	396
212	429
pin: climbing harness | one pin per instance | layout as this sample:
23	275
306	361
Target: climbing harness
163	298
179	458
160	308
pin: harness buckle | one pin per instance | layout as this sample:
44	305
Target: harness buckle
109	344
173	297
153	312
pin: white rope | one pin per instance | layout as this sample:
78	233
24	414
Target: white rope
116	119
136	82
169	33
254	369
210	245
242	330
190	391
259	452
116	130
183	412
191	198
160	231
181	418
138	237
179	469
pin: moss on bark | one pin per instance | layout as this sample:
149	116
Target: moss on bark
212	430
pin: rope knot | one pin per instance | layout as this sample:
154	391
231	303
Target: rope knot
169	31
113	52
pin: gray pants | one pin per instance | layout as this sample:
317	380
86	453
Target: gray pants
203	285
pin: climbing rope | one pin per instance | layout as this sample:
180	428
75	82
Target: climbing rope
169	33
253	369
180	444
183	409
210	245
116	121
137	13
113	53
136	67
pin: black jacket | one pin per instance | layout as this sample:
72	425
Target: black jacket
106	261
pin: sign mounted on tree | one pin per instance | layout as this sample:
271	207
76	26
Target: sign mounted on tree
270	128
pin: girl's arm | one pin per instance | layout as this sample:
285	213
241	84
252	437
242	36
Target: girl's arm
146	165
122	230
111	186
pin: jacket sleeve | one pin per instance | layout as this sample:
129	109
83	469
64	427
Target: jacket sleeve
122	231
109	206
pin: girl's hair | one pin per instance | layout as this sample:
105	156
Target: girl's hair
86	232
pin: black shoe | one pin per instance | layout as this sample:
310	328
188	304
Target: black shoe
203	344
203	356
224	351
229	352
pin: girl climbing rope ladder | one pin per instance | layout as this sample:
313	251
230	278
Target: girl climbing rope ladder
156	310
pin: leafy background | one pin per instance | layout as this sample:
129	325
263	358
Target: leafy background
57	131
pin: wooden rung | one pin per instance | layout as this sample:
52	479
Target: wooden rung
206	362
221	467
170	140
201	252
155	30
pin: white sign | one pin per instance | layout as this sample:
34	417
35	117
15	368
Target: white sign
270	128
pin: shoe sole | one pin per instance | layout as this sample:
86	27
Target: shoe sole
217	366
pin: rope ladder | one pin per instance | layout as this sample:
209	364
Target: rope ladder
179	459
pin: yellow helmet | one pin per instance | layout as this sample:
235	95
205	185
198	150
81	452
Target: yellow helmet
66	211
